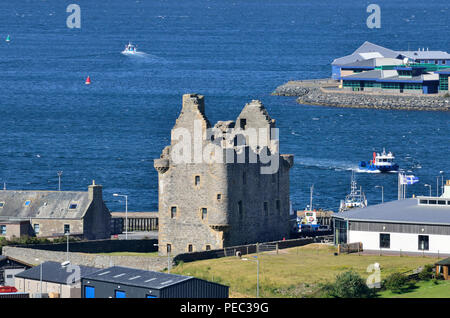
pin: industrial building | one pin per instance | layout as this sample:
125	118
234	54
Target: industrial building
54	213
123	282
415	225
9	267
375	68
54	279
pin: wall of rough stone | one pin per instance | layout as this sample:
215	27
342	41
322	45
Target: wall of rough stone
29	255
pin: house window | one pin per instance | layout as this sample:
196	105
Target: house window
3	229
73	206
204	213
66	228
169	248
36	228
423	242
385	240
173	212
27	203
197	180
190	248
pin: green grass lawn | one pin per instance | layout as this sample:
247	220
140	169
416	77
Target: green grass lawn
294	272
423	289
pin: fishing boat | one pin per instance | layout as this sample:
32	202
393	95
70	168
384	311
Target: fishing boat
355	199
130	49
383	162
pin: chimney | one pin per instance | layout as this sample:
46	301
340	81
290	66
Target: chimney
95	191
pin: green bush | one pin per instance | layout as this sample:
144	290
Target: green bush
347	285
395	282
427	272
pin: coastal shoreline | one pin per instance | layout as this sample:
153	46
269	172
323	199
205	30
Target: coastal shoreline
325	92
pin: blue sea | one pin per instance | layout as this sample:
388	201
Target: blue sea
229	51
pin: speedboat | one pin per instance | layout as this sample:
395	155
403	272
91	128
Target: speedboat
130	49
355	199
383	162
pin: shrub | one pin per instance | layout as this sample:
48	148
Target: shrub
347	285
427	272
395	282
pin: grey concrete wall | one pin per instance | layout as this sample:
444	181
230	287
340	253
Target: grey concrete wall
101	261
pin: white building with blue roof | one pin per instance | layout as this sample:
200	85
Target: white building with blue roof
414	225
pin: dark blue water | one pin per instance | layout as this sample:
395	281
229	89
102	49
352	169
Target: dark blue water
232	52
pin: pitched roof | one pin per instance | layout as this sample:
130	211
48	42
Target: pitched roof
54	272
366	51
438	55
445	261
137	277
400	211
43	204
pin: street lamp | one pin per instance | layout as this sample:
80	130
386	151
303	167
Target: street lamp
382	192
37	259
67	234
126	212
257	272
428	185
59	180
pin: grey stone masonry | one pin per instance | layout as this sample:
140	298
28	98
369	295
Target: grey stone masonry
231	188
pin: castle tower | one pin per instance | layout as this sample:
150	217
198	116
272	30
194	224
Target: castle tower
224	185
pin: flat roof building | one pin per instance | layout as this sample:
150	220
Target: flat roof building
61	281
124	282
416	225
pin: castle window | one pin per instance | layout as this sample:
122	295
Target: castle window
242	123
36	228
208	247
219	196
169	248
66	228
204	213
266	209
197	180
240	209
190	248
173	212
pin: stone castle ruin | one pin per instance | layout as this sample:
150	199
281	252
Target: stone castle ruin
222	185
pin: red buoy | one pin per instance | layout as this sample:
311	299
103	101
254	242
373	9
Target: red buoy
88	80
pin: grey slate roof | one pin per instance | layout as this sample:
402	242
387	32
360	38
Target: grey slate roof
43	204
53	272
136	277
400	211
426	55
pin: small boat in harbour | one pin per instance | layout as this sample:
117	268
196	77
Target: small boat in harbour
355	199
130	49
383	162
